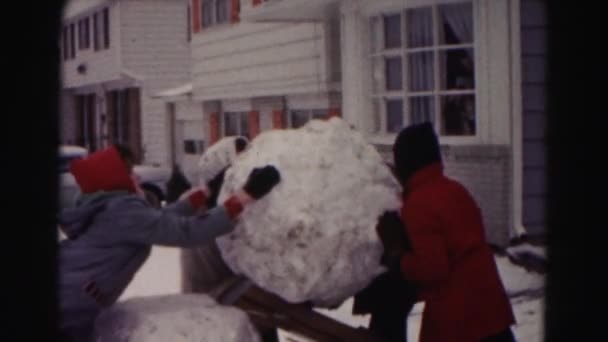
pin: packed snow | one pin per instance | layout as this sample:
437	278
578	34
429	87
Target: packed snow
216	158
187	317
312	238
517	280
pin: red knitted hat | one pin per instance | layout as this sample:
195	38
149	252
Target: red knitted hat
103	170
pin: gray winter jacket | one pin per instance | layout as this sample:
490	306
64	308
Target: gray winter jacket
109	238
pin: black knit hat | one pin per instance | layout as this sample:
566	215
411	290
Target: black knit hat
416	146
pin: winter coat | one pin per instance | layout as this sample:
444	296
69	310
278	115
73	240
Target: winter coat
109	238
451	262
110	233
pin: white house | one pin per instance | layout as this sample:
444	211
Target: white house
248	77
116	55
476	68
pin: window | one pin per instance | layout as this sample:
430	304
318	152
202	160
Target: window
299	118
66	43
72	41
423	68
215	12
83	34
192	146
96	42
101	30
106	28
235	123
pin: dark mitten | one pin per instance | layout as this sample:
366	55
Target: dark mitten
393	234
261	181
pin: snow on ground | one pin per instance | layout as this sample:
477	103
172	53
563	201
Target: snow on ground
161	274
182	317
516	279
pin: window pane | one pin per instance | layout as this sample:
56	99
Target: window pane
392	31
456	23
419	27
421	109
222	11
457	69
106	28
96	31
394	115
376	115
72	41
87	34
458	115
244	124
378	75
376	34
193	146
394	75
421	73
319	114
231	124
299	118
207	9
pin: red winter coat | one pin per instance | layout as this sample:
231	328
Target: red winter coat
451	262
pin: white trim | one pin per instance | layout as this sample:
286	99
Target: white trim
184	89
118	40
376	7
236	105
517	228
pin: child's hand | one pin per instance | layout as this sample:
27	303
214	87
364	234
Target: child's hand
194	190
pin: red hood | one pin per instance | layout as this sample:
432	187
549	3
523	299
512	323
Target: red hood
102	171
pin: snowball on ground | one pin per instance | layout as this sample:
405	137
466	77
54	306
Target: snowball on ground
313	236
187	317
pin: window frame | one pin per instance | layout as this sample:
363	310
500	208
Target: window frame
213	7
241	116
310	115
378	98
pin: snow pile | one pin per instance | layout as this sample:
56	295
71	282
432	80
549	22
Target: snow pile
516	279
216	158
313	237
173	318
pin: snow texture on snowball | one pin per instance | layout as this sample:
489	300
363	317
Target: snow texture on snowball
190	317
313	236
216	158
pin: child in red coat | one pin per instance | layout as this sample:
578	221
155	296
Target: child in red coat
450	261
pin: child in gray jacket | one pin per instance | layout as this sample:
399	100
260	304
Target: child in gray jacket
112	228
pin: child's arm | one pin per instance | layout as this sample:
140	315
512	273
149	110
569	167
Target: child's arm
152	226
161	227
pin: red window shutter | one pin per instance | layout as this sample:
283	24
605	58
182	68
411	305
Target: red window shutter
214	127
256	2
235	10
331	112
277	119
254	123
196	16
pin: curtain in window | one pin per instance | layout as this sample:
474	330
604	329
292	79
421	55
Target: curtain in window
459	18
420	34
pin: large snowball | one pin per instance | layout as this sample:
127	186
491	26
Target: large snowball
191	317
313	237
